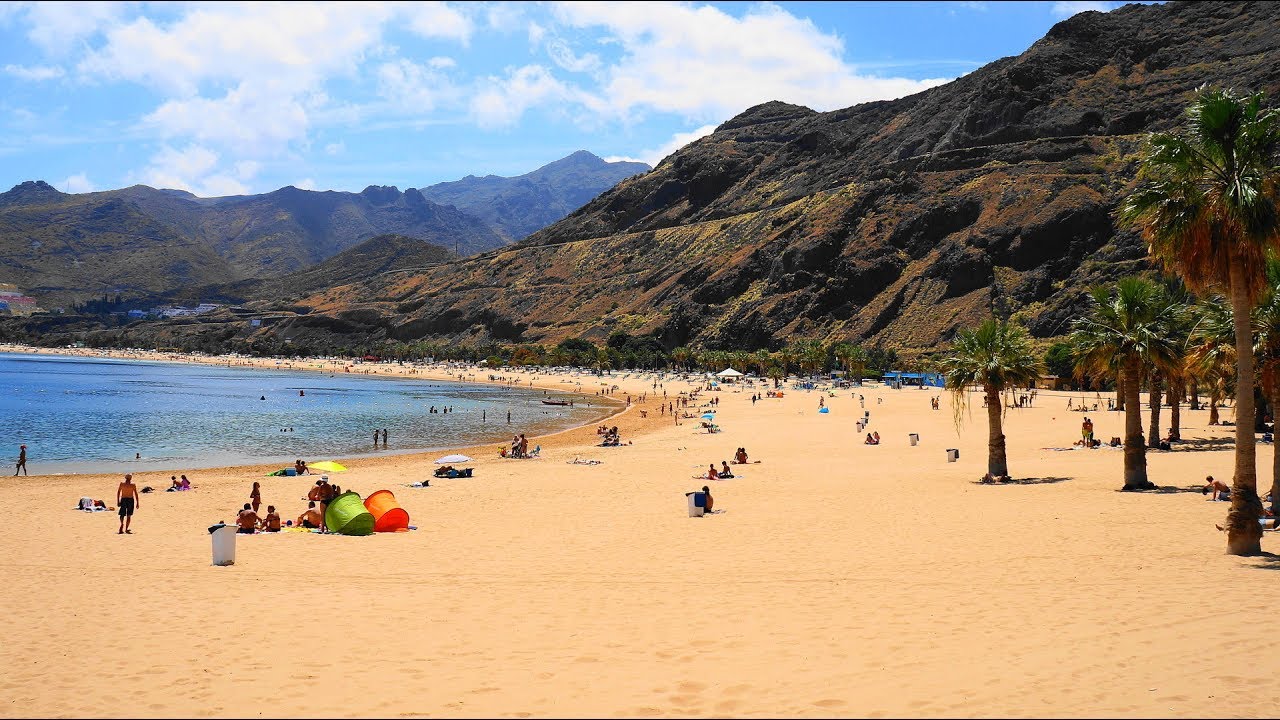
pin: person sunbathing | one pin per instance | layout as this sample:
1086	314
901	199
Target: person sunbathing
310	518
740	457
871	441
725	472
710	501
184	484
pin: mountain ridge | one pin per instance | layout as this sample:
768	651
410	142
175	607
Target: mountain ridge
54	244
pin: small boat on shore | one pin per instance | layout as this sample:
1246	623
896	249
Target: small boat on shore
555	402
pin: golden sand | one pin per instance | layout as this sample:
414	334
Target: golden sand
840	580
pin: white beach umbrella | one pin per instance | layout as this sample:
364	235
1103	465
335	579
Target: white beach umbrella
452	459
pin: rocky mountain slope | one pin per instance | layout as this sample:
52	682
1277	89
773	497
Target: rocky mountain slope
372	258
519	206
143	241
888	222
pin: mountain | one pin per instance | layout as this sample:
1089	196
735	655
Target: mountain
374	257
519	206
893	222
140	241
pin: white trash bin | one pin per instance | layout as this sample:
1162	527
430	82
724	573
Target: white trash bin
952	454
697	503
914	438
224	544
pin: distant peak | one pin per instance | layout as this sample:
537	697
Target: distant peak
31	190
772	111
33	186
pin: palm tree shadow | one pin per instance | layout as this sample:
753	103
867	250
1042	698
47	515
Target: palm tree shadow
1203	445
1268	561
1167	489
1025	481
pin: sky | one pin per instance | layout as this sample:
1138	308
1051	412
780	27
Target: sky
234	98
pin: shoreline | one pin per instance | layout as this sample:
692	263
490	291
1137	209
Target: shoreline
611	408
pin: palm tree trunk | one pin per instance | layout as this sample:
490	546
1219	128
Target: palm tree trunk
1120	391
1195	395
997	463
1175	411
1135	455
1244	532
1213	408
1275	457
1153	435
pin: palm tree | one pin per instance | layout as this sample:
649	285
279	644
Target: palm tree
681	356
854	359
1124	332
1213	353
813	356
996	355
1208	206
1266	327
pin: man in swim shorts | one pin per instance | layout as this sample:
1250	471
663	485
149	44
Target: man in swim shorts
248	520
311	518
128	500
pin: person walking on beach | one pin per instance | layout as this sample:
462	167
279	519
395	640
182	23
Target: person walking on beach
127	500
22	461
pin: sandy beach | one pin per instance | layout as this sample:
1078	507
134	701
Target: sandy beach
840	580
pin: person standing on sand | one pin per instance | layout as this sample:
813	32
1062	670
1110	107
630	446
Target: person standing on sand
22	461
255	496
127	500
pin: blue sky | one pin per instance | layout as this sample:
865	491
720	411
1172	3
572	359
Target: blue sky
231	98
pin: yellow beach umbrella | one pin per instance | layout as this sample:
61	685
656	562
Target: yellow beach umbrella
327	466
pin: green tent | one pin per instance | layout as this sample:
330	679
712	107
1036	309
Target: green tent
346	515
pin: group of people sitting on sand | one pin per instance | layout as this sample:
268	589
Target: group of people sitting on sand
611	437
449	471
176	485
519	449
724	473
873	438
248	521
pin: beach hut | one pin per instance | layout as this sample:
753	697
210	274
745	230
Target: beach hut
729	375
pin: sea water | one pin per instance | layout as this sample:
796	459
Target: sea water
80	414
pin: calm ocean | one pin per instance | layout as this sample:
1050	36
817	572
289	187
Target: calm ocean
93	415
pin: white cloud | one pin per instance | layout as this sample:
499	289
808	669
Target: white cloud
60	27
34	72
654	156
415	88
194	169
564	56
334	148
502	101
256	117
705	64
305	184
439	20
536	33
1067	8
78	183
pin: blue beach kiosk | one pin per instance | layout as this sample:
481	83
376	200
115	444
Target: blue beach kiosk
899	379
